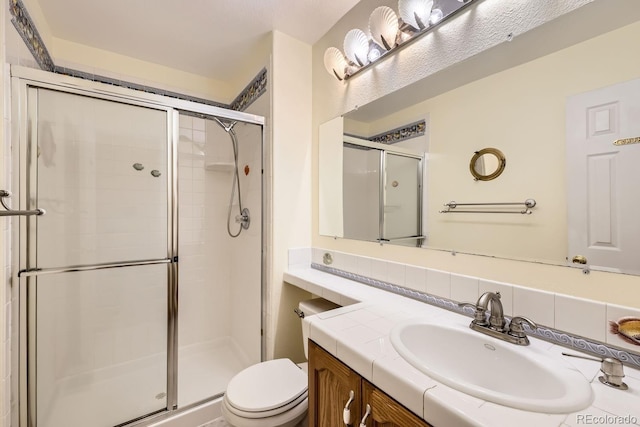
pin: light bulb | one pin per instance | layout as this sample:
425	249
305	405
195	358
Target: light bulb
436	16
374	54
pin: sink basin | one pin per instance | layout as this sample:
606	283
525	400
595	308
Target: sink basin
491	369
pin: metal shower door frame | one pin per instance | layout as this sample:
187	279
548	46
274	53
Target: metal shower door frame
24	84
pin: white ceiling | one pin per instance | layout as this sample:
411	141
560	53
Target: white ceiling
205	37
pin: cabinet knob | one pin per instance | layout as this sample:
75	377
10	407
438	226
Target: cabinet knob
363	423
346	413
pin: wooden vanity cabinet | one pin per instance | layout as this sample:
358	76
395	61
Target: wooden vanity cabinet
330	383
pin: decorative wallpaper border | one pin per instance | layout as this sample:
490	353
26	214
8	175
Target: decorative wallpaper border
548	334
412	130
251	92
27	29
134	86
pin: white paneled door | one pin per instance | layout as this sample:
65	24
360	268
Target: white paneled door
603	157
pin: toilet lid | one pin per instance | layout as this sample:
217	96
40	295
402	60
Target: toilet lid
267	386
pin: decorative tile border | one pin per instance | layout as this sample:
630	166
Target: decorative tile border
412	130
27	29
134	86
548	334
251	92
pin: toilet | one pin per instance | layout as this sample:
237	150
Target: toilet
273	393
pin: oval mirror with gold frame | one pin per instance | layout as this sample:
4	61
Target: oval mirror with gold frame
487	164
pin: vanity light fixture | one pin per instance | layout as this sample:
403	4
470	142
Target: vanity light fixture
387	33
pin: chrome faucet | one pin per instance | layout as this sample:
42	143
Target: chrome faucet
497	326
491	301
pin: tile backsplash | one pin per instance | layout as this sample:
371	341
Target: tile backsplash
561	317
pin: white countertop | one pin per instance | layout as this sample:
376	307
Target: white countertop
358	335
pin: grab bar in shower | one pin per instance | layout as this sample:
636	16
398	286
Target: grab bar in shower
529	203
11	212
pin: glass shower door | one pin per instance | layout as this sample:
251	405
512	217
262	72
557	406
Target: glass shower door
98	263
402	198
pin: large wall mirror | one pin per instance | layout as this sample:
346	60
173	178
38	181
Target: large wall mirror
541	114
369	190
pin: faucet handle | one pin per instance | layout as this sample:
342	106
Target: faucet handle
467	304
516	327
479	315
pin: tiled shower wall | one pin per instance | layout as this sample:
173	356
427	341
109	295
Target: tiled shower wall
246	263
203	302
219	275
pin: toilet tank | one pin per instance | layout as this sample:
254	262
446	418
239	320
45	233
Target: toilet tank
308	308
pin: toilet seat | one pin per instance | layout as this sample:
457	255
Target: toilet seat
267	389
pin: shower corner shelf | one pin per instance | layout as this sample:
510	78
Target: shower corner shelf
219	166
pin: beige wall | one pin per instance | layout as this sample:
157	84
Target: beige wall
521	112
484	27
291	196
475	104
89	59
85	58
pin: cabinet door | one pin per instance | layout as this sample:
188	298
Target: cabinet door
386	412
330	383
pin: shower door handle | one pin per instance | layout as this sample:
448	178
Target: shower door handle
11	212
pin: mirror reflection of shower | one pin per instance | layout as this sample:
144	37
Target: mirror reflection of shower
243	217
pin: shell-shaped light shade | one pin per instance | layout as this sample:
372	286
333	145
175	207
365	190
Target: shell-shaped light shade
335	63
415	12
383	26
356	47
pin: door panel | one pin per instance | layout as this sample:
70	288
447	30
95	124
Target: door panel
602	199
100	207
402	197
361	193
386	412
330	383
100	344
98	337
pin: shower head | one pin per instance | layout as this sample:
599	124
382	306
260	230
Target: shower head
227	126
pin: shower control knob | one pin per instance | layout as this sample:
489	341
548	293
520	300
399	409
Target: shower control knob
244	219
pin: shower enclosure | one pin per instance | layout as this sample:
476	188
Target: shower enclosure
135	301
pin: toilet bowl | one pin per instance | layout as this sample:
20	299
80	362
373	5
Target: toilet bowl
272	393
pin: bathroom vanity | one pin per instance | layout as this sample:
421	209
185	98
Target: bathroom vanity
331	382
350	349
